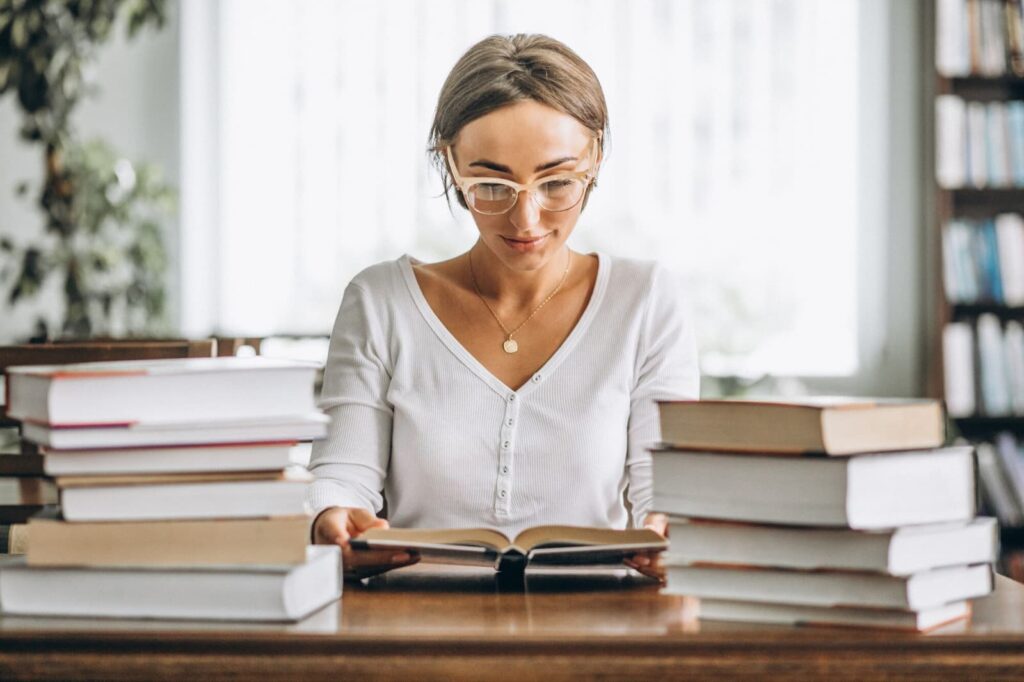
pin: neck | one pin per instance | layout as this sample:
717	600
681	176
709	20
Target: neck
513	288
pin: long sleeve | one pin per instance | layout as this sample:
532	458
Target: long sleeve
666	369
351	463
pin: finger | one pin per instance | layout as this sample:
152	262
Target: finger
375	557
364	519
330	531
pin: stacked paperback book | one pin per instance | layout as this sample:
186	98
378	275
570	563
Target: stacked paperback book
827	511
178	496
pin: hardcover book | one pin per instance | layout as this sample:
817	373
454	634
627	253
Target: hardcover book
830	425
540	545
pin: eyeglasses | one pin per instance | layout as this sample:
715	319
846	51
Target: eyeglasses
494	196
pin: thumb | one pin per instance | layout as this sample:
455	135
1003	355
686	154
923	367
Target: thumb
364	519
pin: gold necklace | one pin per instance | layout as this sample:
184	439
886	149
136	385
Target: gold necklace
511	345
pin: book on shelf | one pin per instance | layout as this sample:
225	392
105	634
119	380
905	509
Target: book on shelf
312	426
184	496
983	260
919	591
979	145
979	37
796	614
12	464
275	541
160	391
995	389
540	545
227	593
170	459
831	425
998	496
958	361
22	497
894	551
983	366
864	492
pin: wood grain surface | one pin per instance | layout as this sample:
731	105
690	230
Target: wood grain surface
419	623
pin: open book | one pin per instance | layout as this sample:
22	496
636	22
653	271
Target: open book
540	545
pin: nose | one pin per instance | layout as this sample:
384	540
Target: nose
526	213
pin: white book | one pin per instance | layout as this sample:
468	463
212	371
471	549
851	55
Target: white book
865	492
951	141
224	499
160	391
950	266
924	590
977	160
999	171
1013	344
311	426
249	593
996	488
902	551
793	614
952	52
1010	240
993	41
995	391
969	277
958	368
1012	465
171	459
1015	118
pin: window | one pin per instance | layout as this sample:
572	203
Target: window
734	158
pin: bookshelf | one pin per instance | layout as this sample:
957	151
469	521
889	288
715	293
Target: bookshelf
976	53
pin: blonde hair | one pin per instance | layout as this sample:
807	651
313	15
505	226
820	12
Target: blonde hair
501	70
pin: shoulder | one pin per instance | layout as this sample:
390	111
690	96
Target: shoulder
380	278
641	280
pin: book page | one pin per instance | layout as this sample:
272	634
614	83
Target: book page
482	537
539	536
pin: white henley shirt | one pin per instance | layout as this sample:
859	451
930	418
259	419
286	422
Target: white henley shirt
414	415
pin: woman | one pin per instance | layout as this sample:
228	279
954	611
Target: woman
514	384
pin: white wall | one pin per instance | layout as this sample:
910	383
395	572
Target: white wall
136	110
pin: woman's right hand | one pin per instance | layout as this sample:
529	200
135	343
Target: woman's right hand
338	525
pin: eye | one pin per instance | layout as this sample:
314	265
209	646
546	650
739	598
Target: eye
491	191
558	186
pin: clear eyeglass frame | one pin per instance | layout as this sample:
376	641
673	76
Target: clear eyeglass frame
467	183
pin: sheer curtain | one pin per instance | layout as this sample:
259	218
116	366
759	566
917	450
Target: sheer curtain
733	158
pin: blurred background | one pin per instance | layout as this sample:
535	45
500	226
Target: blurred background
199	167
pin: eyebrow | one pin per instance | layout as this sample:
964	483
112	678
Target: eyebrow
484	163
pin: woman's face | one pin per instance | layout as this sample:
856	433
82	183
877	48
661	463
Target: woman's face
523	142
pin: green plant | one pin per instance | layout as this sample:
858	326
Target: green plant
102	215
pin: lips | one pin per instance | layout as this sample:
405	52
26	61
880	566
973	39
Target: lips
526	244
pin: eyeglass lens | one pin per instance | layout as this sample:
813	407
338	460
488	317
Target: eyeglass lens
559	194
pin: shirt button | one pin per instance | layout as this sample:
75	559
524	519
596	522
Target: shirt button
536	378
502	493
505	445
509	422
504	470
512	398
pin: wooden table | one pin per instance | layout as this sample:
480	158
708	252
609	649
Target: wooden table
466	626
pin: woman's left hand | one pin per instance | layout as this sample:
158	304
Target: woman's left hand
649	563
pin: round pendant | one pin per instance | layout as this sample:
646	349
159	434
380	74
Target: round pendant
510	346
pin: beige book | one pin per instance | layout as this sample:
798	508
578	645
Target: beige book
160	479
223	542
546	545
831	425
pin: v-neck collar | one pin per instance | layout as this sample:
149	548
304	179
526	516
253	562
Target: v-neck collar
405	264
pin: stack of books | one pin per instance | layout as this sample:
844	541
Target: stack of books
830	511
178	496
